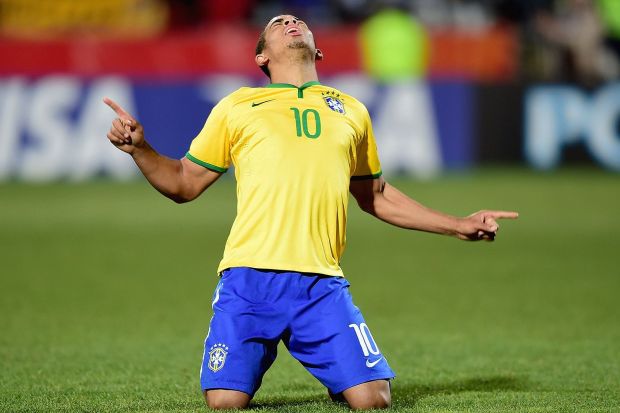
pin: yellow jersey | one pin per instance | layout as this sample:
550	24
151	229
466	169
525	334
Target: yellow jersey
295	150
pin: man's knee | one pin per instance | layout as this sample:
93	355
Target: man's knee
373	401
226	399
371	395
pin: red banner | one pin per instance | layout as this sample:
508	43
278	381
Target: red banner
489	55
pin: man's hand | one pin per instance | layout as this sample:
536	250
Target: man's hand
482	225
126	133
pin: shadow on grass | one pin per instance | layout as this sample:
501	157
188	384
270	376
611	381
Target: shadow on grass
305	403
403	394
407	394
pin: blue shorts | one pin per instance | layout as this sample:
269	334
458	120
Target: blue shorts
313	315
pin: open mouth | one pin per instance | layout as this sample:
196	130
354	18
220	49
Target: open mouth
293	31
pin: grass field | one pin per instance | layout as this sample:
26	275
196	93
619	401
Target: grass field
105	298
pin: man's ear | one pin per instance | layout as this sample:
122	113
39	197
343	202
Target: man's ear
318	55
261	59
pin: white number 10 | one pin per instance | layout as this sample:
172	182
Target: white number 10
367	342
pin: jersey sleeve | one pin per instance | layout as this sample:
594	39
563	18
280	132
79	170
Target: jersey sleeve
211	148
367	165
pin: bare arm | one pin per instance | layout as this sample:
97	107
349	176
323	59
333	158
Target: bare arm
387	203
180	180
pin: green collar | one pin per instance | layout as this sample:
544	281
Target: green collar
300	90
305	85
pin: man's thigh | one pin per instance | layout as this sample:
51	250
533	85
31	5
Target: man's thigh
243	335
330	337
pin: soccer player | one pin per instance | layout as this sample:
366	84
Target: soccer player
299	148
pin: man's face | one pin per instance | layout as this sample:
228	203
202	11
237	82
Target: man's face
287	31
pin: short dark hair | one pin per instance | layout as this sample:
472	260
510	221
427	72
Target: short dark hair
260	46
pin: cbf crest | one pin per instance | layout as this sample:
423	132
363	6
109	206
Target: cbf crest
217	356
333	101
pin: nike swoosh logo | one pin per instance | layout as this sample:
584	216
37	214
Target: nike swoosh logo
373	363
260	103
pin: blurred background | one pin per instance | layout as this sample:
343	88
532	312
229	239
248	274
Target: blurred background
450	84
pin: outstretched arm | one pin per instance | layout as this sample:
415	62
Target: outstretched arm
180	180
387	203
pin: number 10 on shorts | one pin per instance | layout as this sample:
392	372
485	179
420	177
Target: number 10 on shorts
367	342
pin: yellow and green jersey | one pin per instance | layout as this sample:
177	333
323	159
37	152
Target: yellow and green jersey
295	150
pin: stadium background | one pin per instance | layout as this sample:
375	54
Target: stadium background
105	286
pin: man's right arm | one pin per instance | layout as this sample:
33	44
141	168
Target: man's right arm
180	180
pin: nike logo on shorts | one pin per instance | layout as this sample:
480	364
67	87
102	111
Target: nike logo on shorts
260	103
370	364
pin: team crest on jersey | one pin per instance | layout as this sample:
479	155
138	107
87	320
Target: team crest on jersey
333	102
217	356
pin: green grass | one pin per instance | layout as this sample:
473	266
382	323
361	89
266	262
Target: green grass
105	295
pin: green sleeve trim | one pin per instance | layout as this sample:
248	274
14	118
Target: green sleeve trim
362	177
205	164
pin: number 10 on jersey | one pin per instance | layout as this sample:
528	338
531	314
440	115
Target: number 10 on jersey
367	342
301	123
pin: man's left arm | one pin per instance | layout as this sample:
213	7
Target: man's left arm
387	203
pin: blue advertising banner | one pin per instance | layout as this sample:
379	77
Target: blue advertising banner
55	127
561	117
453	106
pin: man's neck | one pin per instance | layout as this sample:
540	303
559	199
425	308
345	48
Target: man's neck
296	75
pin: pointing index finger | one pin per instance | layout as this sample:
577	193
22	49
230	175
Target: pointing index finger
503	214
122	113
